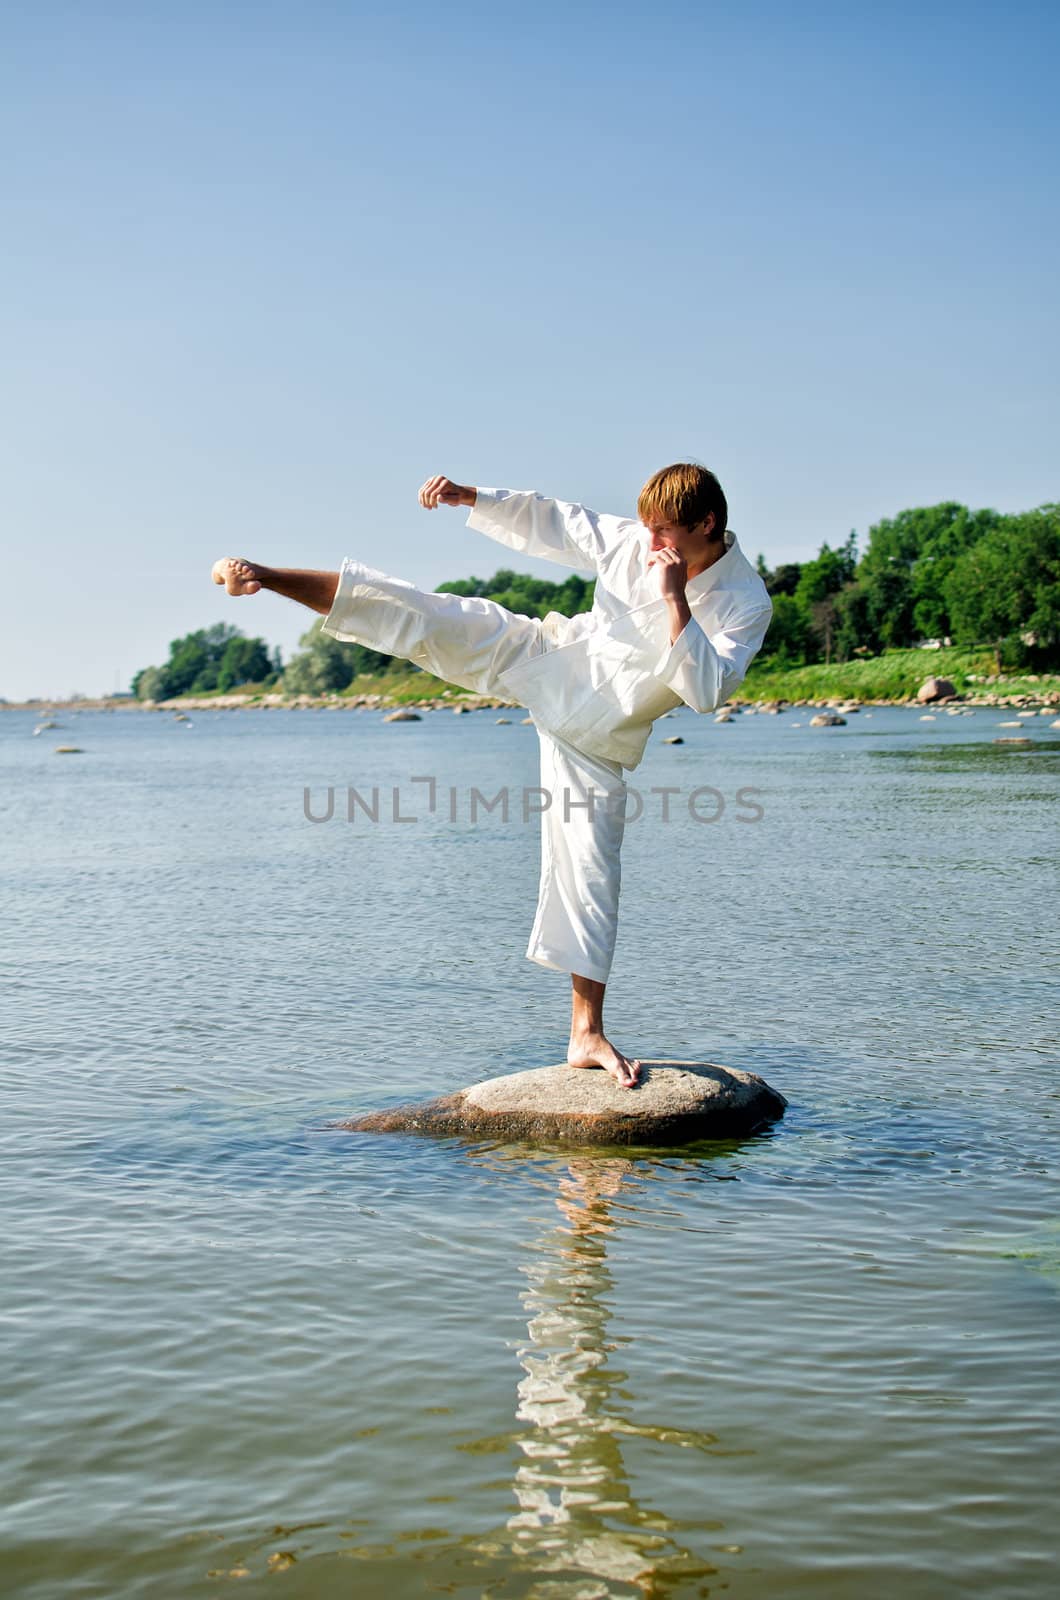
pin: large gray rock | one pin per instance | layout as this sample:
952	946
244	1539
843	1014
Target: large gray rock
935	689
675	1101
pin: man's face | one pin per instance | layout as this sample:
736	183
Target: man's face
691	543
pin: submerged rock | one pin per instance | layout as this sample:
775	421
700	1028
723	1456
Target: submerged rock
403	716
675	1102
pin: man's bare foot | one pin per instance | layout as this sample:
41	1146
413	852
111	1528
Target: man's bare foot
237	575
593	1050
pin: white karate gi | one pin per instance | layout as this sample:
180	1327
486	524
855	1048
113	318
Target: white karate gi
594	683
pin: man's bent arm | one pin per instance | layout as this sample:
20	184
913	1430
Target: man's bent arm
704	670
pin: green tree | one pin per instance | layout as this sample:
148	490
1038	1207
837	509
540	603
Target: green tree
924	543
327	665
854	633
198	660
788	639
1005	589
527	596
888	608
150	684
244	661
826	574
784	579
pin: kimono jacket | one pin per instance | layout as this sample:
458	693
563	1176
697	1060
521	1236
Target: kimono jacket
600	679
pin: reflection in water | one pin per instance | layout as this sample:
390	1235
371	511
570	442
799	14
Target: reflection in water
577	1511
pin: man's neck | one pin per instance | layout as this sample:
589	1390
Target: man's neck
714	552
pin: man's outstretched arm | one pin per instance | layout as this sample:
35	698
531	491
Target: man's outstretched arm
554	530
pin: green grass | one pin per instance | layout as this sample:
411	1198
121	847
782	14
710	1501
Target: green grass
400	686
895	675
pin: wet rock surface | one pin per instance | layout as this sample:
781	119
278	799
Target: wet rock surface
675	1102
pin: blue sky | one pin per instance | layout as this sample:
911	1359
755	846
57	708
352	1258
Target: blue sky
267	266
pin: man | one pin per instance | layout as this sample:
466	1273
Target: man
678	614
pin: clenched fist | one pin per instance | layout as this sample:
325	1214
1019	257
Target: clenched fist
672	572
442	491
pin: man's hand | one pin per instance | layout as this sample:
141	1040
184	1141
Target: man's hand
442	491
673	577
672	572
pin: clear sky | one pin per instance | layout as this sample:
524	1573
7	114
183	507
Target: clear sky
266	266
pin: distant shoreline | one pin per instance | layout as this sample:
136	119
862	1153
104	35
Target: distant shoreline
894	678
457	700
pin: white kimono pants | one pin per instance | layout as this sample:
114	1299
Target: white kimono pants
469	641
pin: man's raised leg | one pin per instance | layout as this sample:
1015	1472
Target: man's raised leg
313	589
589	1046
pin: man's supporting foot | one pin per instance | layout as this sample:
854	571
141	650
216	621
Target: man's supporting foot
237	575
589	1047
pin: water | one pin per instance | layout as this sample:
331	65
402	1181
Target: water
240	1347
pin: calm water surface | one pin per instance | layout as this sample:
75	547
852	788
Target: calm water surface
239	1347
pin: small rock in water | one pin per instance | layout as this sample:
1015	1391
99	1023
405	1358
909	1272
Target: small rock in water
403	716
68	750
529	720
675	738
827	719
504	722
675	1102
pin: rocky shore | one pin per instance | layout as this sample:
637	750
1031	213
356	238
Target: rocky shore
990	691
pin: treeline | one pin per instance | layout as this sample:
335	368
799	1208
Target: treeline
221	658
940	572
530	597
212	658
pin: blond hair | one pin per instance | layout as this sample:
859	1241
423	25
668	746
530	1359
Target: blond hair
686	494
